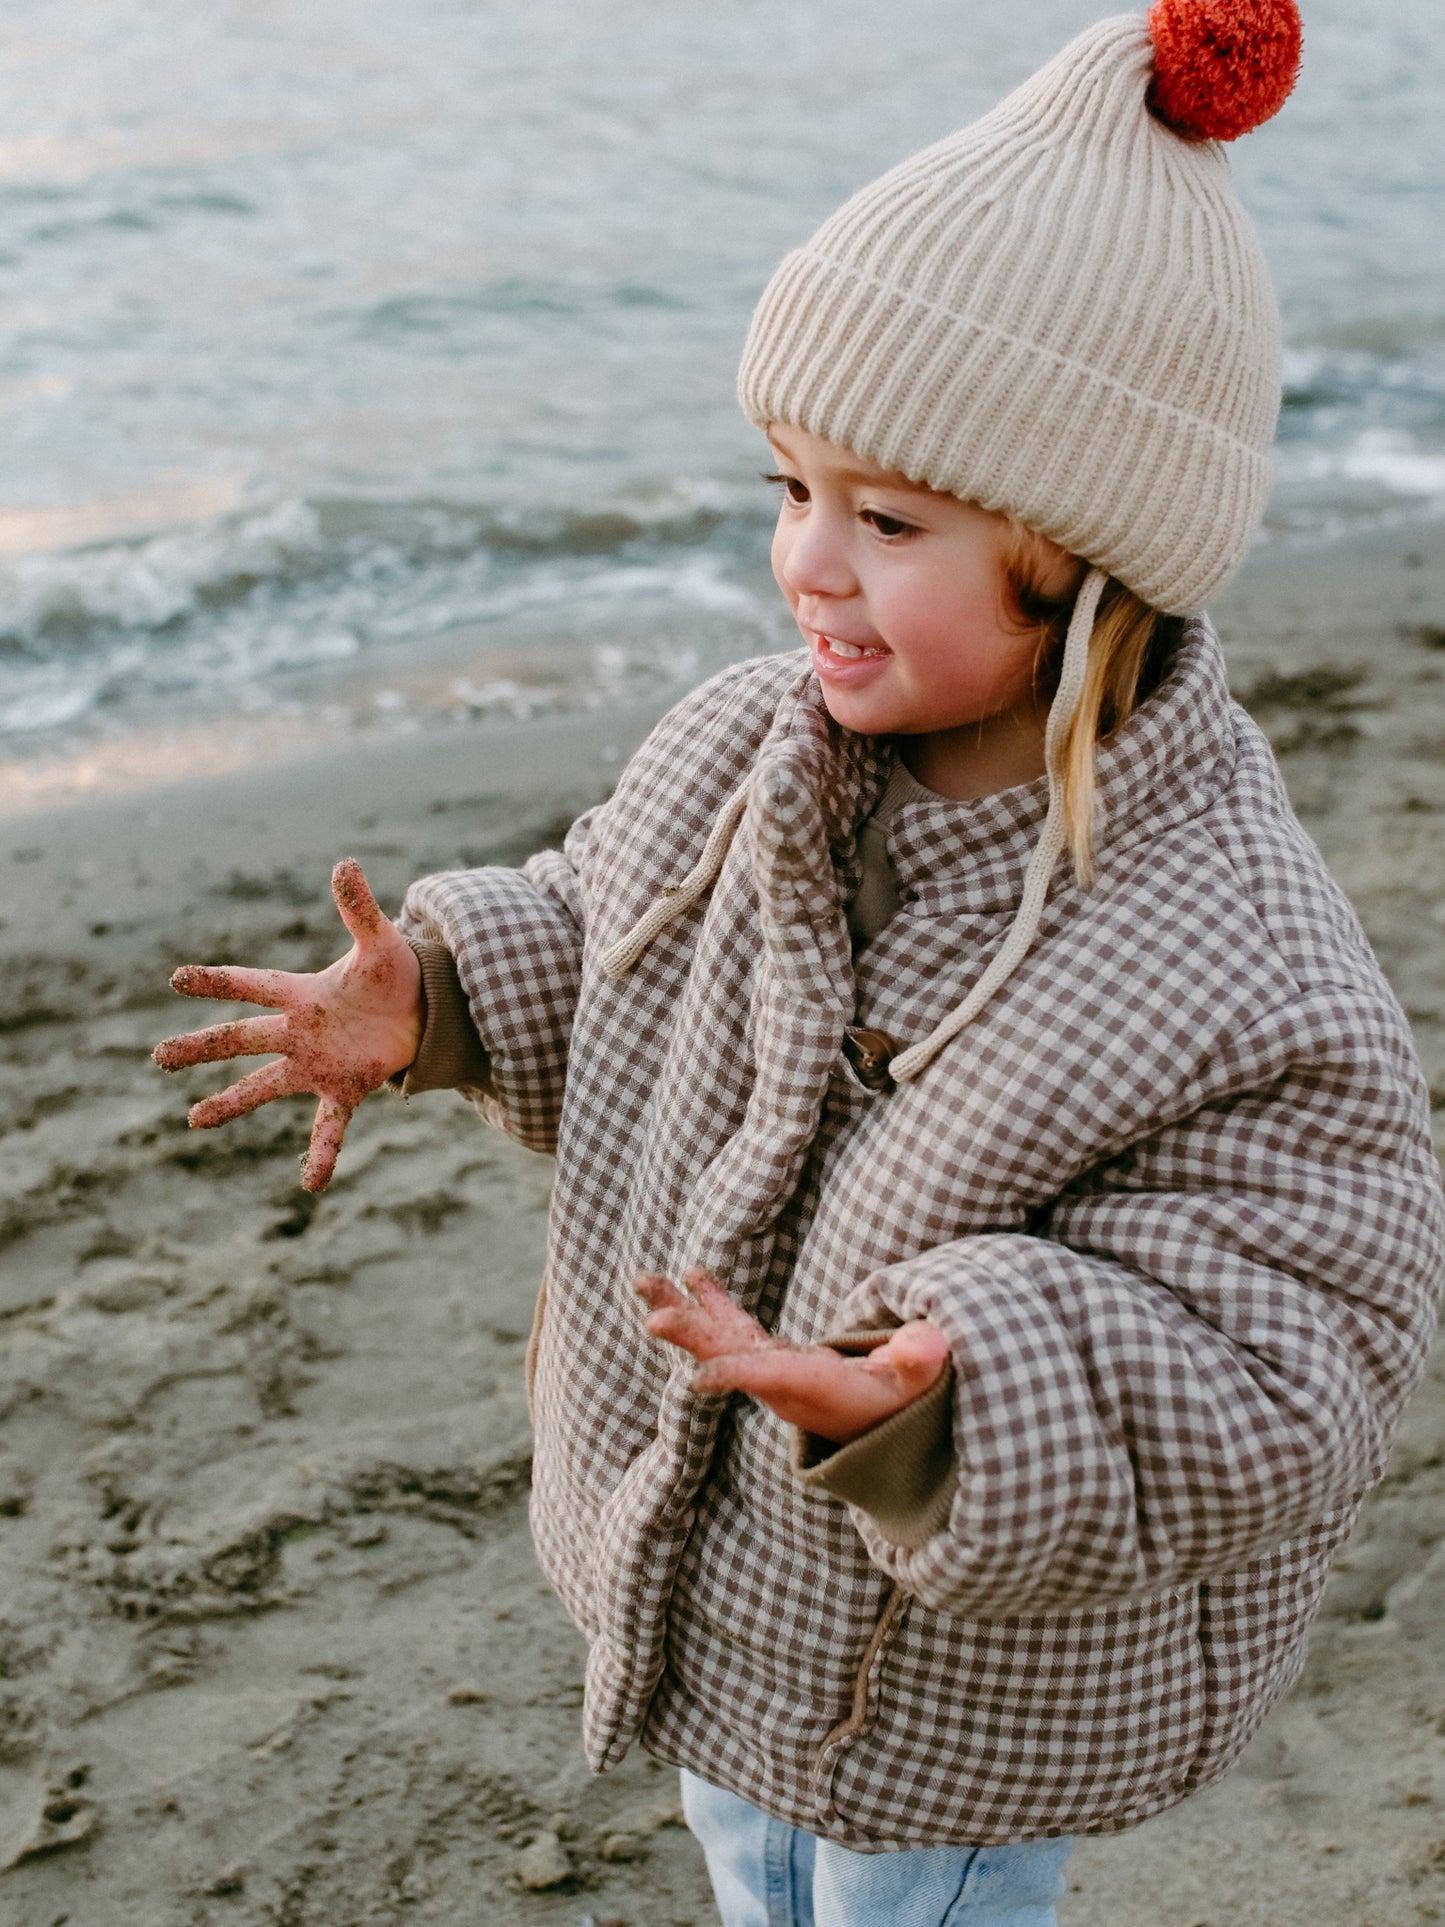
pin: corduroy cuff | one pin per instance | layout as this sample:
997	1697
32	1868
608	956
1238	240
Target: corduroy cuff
450	1054
902	1471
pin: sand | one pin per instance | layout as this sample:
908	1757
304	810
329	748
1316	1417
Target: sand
273	1649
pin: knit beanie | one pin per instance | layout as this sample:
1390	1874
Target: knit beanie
1063	311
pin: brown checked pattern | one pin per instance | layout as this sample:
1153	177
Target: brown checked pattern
1171	1196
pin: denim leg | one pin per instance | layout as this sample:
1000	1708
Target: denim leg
761	1869
766	1873
1013	1886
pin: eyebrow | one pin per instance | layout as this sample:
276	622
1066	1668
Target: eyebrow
868	477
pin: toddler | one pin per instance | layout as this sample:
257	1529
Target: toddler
950	1037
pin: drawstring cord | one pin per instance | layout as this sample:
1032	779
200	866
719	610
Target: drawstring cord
1047	851
619	958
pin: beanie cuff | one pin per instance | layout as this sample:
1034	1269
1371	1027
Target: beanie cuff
1164	500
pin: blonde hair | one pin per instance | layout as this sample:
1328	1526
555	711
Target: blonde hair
1126	649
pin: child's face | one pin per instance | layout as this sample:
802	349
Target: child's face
901	596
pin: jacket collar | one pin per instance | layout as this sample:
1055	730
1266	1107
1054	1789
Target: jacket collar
1161	768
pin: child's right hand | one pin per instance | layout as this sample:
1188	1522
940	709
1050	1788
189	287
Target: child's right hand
812	1386
340	1032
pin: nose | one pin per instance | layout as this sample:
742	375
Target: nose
810	556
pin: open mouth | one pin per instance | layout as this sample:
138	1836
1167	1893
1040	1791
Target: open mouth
849	651
833	649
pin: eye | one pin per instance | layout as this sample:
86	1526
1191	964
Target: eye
888	525
795	490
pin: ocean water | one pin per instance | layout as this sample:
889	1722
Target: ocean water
362	365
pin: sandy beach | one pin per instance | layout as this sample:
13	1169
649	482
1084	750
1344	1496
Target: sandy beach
273	1648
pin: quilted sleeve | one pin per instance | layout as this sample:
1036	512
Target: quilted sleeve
516	937
1201	1349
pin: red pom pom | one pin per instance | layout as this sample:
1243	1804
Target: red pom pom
1222	67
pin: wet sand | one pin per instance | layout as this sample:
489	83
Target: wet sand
273	1649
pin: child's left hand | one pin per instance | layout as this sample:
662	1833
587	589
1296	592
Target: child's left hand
828	1393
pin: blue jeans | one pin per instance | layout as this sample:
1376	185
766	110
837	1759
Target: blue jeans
768	1874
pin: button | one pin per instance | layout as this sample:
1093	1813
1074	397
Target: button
869	1054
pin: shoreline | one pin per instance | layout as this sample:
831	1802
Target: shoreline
404	804
547	680
272	1642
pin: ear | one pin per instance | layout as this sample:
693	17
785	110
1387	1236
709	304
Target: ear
1042	577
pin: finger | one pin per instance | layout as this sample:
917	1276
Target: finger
249	1037
913	1357
227	985
817	1389
272	1080
359	909
704	1286
737	1328
658	1292
702	1332
675	1317
327	1132
913	1376
690	1327
779	1369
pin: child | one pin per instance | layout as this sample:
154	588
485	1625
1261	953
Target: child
1073	1225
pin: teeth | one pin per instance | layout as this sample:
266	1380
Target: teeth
850	651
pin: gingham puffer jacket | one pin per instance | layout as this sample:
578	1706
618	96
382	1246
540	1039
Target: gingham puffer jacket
1171	1195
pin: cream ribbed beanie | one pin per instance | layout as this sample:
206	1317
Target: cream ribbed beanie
1062	311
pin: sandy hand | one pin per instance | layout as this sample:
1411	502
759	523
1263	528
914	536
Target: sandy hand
825	1392
340	1032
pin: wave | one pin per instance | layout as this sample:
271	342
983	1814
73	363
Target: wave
306	585
92	636
460	321
1362	430
1389	459
58	600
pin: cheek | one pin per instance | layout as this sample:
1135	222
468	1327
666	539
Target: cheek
957	644
945	615
1013	669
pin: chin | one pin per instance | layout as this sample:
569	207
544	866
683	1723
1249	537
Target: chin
854	710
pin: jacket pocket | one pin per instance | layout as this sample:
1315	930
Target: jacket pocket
534	1345
989	1731
1254	1627
865	1697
